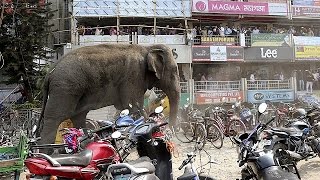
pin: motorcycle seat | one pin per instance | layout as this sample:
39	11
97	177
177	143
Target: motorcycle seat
289	130
79	159
143	162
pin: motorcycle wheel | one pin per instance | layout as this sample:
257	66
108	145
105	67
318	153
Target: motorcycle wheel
215	136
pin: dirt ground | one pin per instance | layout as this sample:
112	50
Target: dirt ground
227	167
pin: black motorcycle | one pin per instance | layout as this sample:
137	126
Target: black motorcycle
260	164
298	137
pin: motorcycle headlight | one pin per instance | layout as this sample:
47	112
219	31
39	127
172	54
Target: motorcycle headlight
186	106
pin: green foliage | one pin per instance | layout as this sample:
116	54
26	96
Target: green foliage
23	36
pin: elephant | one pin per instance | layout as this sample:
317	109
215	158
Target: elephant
101	75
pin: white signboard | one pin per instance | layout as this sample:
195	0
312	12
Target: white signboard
218	53
99	39
306	40
161	39
132	8
181	53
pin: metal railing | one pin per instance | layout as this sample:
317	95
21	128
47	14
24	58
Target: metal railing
183	85
269	84
217	86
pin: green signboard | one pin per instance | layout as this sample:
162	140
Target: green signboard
268	39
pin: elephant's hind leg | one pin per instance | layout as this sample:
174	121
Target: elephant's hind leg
58	108
79	120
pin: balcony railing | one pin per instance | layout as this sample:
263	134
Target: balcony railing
269	84
217	86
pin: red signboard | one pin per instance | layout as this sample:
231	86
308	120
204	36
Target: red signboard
217	97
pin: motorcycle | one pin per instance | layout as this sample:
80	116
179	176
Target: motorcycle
297	136
259	164
92	162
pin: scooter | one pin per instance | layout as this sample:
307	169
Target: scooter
90	163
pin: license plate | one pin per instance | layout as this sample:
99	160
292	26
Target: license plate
266	142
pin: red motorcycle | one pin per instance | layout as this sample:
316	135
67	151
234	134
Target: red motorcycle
91	163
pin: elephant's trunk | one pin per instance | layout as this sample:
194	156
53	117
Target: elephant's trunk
174	98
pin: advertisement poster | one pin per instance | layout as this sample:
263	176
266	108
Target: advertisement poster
310	53
268	39
306	40
306	8
231	7
259	96
269	53
217	53
217	97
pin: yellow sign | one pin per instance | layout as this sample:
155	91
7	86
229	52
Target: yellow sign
65	124
308	53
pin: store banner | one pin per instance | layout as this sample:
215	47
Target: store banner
260	96
309	53
306	2
269	39
99	39
217	53
268	53
131	8
306	41
219	41
161	39
231	7
181	53
218	97
306	11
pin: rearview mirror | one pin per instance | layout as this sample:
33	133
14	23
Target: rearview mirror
124	113
116	135
262	107
158	110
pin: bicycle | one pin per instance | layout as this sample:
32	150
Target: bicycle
229	124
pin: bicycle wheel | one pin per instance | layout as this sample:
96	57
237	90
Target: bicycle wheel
186	132
201	135
215	136
235	128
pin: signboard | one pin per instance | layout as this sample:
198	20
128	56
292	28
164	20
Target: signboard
217	53
268	39
217	97
306	41
306	11
181	53
259	96
218	41
306	8
161	39
230	7
99	39
131	8
311	53
268	53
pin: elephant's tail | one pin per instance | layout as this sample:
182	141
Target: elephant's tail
45	99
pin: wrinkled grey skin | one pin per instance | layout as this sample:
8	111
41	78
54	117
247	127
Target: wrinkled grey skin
92	77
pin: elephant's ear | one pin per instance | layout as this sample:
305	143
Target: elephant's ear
156	62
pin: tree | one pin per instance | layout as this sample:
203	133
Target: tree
24	30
